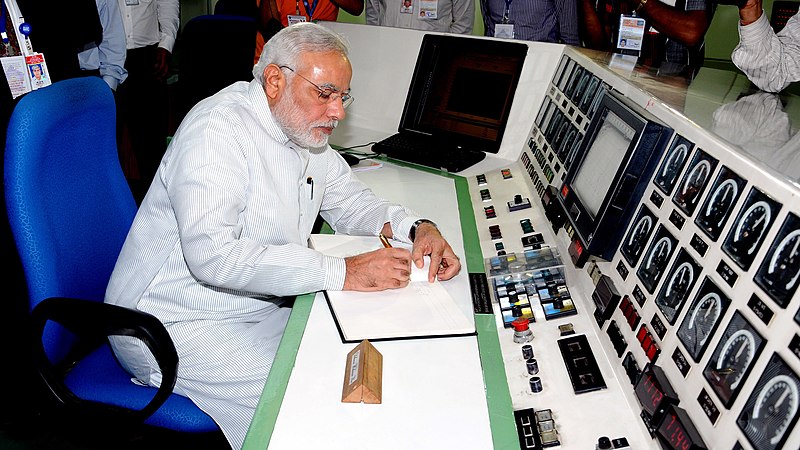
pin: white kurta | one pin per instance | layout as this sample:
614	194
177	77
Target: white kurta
770	61
222	235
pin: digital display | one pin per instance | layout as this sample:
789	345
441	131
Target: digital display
677	432
654	392
602	160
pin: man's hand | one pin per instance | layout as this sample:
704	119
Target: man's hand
387	268
161	66
429	242
750	12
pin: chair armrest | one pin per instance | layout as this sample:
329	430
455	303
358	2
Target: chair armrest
97	320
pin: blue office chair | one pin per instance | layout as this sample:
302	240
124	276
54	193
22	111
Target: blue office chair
70	208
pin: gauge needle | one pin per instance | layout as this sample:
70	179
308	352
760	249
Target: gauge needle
739	353
782	398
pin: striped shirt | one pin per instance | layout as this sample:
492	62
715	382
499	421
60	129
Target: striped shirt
535	20
770	61
222	236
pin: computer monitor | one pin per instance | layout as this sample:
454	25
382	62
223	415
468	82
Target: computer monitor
462	90
614	163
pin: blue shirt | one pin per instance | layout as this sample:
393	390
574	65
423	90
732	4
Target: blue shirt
535	20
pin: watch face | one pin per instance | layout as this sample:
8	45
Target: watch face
751	226
770	413
677	285
690	189
719	204
733	359
779	272
641	228
702	319
656	258
673	163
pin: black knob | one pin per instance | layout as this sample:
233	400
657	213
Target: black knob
604	443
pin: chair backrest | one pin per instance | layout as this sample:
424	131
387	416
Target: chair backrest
215	51
69	205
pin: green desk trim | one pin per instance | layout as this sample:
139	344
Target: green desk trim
498	398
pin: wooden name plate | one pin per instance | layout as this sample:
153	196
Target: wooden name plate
363	375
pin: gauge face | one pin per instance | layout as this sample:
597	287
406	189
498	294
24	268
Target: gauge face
694	181
720	202
633	244
586	100
655	260
747	233
675	290
771	411
779	272
702	318
673	163
733	358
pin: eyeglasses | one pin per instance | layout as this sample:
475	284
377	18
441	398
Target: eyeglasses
326	95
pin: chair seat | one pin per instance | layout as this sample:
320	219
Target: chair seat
115	387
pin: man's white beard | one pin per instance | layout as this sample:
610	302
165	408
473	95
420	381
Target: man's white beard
290	118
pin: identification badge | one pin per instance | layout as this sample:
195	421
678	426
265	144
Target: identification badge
504	30
293	19
37	67
428	9
406	7
631	34
16	72
131	2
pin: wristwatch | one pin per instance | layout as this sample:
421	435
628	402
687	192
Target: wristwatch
413	232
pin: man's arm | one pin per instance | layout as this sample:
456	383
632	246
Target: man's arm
168	22
269	19
463	16
111	52
374	12
770	61
593	33
687	27
353	7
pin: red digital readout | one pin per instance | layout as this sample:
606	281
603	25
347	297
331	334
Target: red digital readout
649	393
674	433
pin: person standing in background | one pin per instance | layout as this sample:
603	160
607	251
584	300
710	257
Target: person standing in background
151	28
276	14
771	61
532	20
107	60
446	16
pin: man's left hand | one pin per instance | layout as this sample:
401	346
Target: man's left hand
428	241
161	67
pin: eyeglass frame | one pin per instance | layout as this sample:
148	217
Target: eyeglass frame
322	95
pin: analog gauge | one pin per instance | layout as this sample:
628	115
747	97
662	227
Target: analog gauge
637	237
771	410
751	228
718	207
736	356
589	94
692	186
779	273
656	259
752	224
676	289
672	166
732	360
702	320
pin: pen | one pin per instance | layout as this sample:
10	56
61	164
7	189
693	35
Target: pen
385	242
310	182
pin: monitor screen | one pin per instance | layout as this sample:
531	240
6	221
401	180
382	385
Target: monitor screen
462	90
602	160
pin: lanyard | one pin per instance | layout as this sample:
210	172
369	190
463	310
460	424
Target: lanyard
3	21
310	9
507	11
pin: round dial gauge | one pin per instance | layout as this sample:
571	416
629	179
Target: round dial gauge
695	180
658	256
774	409
735	357
678	285
672	165
720	203
638	236
784	266
702	319
752	226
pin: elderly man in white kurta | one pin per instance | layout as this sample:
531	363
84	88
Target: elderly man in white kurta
220	239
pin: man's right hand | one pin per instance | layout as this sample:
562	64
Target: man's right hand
750	12
386	268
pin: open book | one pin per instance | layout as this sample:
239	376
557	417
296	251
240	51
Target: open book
418	310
